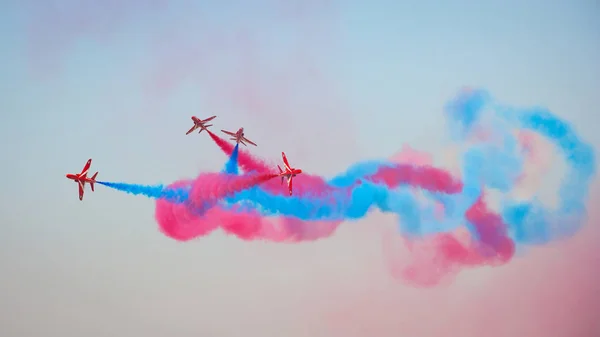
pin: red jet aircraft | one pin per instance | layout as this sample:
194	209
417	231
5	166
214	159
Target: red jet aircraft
289	172
199	123
239	136
82	178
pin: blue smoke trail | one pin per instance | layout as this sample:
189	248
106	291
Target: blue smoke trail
357	172
231	167
175	195
489	165
530	222
494	164
354	203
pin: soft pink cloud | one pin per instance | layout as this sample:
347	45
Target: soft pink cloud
538	154
55	26
409	155
277	80
553	291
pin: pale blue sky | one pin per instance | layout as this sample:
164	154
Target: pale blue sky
385	70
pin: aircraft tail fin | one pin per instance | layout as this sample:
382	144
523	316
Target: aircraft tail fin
93	180
204	128
280	172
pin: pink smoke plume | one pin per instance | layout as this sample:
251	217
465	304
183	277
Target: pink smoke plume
178	222
433	259
437	259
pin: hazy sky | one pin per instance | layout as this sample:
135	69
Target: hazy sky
328	82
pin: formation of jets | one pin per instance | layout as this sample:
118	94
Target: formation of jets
290	172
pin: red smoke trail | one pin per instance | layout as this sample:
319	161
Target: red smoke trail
183	222
246	161
425	177
435	259
292	229
212	187
452	251
493	243
304	184
250	225
179	222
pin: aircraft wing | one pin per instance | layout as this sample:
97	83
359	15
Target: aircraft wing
86	167
249	141
208	119
81	186
191	130
228	133
290	185
285	161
